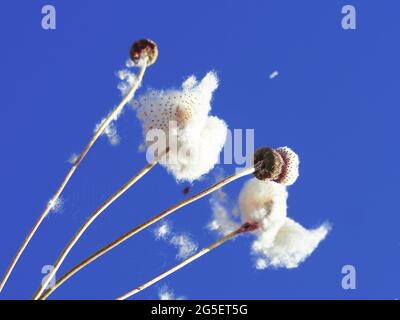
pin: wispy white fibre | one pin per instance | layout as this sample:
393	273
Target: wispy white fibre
280	241
274	74
73	158
185	245
163	230
222	220
127	78
110	132
192	134
165	293
56	205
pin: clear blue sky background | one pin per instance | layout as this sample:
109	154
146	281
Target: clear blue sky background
335	101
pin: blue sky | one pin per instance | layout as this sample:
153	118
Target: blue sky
335	101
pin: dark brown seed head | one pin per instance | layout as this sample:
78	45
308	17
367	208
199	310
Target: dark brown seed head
268	162
144	48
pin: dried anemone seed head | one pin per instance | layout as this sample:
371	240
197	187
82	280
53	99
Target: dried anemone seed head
183	114
144	48
280	165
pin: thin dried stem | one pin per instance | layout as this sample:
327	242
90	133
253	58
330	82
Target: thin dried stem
91	219
145	225
181	265
112	115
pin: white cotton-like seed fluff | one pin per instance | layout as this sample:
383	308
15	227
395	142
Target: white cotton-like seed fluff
56	205
162	231
222	221
192	134
110	132
291	246
280	241
165	293
127	78
261	264
274	74
264	202
73	158
185	245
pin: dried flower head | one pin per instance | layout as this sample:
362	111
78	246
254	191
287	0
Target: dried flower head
269	163
280	165
144	48
183	115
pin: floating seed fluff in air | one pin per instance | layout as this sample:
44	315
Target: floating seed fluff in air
194	137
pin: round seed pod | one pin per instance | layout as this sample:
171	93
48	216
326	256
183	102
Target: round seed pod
268	164
144	48
290	170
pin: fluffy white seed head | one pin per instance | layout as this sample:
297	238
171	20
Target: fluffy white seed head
195	137
291	246
264	203
280	241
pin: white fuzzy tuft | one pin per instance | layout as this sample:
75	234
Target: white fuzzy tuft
264	202
196	138
163	230
73	158
56	205
185	245
182	242
166	293
273	74
291	246
127	78
280	241
222	221
110	132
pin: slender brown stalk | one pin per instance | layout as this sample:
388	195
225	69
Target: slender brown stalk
181	265
111	116
90	220
143	226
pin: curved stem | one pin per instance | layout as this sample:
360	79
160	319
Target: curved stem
143	226
89	221
180	265
112	115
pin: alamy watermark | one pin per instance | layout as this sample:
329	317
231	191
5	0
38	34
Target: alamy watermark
46	270
49	18
349	280
349	18
238	148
